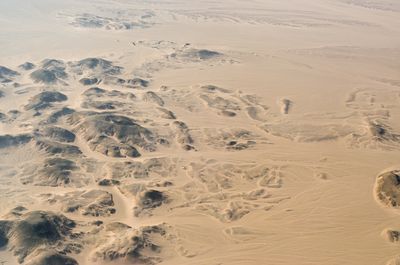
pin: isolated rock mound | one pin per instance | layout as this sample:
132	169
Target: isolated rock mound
138	82
94	66
392	236
382	132
57	171
183	136
4	71
109	147
134	246
44	76
286	105
387	188
98	93
103	130
108	182
14	140
44	100
161	167
102	105
40	228
27	66
88	81
197	54
376	134
58	114
167	114
151	96
54	148
58	134
308	132
220	103
95	92
92	21
52	258
51	72
152	199
7	74
35	231
234	139
53	172
214	89
148	200
88	203
58	66
4	228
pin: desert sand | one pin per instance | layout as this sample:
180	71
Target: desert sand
200	132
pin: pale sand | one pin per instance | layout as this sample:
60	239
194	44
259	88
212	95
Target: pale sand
268	132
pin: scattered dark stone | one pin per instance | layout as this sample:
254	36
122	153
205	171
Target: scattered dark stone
163	141
164	184
97	223
119	81
212	89
230	143
14	114
181	125
188	147
238	147
228	113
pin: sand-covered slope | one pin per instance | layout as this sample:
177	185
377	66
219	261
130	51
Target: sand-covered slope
176	132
